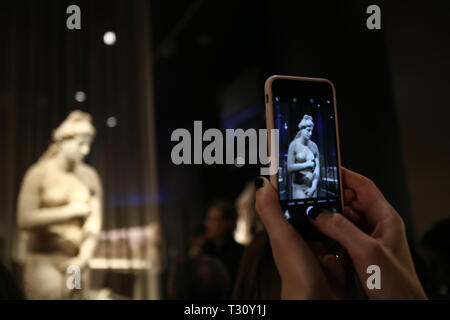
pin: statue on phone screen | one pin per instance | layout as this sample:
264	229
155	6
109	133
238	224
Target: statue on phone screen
60	211
303	161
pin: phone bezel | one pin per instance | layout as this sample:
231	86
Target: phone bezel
271	125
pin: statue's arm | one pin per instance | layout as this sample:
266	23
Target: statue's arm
93	223
29	213
317	168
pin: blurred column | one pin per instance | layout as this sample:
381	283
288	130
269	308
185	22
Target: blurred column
150	177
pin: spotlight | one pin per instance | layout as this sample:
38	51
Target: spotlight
80	96
109	38
111	122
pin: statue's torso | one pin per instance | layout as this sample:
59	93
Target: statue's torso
60	188
303	154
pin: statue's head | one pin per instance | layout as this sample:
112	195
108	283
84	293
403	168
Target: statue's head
74	136
306	127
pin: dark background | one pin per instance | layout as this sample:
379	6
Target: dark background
219	61
208	61
390	88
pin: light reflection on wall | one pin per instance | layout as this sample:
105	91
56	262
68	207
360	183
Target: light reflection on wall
128	248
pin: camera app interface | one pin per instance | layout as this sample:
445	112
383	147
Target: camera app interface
308	176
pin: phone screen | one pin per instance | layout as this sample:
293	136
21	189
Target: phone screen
308	172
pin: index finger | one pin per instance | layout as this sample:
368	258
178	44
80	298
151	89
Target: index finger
291	253
369	200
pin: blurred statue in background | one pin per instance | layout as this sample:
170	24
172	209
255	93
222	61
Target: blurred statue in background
303	161
60	211
248	222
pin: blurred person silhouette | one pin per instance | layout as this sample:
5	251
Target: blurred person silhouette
220	223
258	277
436	251
199	278
248	222
196	241
9	289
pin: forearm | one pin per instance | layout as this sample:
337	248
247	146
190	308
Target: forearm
316	173
296	167
315	181
91	229
87	247
44	217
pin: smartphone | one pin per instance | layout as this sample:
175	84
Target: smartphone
308	179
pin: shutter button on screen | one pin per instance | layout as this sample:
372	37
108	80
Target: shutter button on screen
310	211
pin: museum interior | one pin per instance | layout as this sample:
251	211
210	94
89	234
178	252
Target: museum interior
91	94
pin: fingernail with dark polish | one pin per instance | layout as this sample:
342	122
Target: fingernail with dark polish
259	183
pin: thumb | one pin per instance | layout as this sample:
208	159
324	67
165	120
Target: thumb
268	207
294	260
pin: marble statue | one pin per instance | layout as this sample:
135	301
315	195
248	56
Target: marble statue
303	161
60	211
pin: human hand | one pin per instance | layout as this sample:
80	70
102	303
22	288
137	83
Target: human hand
310	192
383	243
78	209
309	164
307	271
382	240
